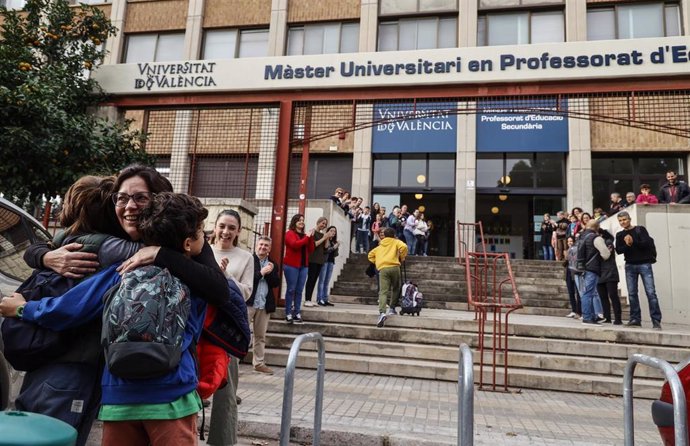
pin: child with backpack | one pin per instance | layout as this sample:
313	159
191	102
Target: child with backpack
140	406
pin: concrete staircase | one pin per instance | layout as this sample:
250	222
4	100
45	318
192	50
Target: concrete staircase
551	353
541	284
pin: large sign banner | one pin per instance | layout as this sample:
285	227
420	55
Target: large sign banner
424	127
529	125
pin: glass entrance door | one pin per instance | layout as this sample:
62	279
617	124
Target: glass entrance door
511	222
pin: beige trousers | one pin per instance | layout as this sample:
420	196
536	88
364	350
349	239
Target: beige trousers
258	322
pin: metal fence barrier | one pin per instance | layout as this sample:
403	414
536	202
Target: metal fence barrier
289	384
680	412
465	397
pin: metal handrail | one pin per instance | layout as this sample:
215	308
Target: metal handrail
465	397
289	384
680	412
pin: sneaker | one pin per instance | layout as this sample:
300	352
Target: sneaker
601	319
321	303
588	322
382	320
298	319
571	314
309	303
656	325
634	323
391	312
261	368
617	322
330	304
288	319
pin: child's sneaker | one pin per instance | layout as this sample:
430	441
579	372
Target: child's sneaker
382	320
288	318
298	319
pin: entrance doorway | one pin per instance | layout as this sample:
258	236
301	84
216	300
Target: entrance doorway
511	222
437	207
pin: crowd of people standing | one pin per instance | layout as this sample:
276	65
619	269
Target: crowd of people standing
367	223
589	255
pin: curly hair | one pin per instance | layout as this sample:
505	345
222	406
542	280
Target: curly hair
170	219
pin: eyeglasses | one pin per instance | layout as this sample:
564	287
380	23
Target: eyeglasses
140	198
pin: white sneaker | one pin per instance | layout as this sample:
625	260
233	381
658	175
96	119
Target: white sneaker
381	321
391	312
571	314
308	303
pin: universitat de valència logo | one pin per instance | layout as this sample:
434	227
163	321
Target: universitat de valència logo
155	76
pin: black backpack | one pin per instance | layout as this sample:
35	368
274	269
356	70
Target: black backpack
28	346
582	259
653	247
144	320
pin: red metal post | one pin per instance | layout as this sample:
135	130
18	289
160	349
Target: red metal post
280	186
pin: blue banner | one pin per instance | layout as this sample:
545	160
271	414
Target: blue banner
428	127
522	125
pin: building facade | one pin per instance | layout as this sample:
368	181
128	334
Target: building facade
491	110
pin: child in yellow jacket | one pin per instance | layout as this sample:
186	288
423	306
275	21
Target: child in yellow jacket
387	257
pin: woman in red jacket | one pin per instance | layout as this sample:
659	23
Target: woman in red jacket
298	245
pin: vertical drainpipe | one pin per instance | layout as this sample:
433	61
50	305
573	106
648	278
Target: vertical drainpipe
280	186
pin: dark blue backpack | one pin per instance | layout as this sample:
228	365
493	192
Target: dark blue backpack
28	346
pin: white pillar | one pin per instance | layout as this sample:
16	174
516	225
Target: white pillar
179	158
361	158
368	25
267	154
114	45
467	23
579	166
575	20
465	168
194	30
277	31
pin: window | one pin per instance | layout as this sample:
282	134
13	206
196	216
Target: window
394	7
323	38
233	43
414	34
634	21
517	28
154	48
414	171
613	173
13	4
500	171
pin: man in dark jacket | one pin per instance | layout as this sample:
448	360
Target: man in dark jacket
674	191
262	302
594	252
638	247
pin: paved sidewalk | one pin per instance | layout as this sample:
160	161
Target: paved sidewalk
376	410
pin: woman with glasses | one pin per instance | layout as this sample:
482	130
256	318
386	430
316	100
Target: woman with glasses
133	191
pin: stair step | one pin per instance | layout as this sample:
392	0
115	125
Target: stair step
518	377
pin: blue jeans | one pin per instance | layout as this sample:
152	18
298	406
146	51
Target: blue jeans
324	278
548	252
363	241
588	293
411	241
645	272
295	278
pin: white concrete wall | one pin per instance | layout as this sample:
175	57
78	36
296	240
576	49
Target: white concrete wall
669	226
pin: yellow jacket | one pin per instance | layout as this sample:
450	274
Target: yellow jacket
390	252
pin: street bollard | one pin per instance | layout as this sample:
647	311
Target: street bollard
465	397
680	412
289	384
